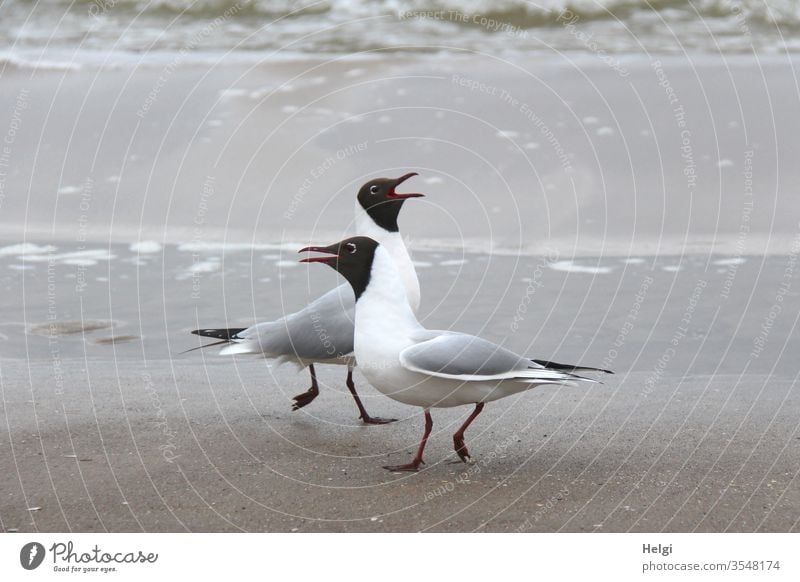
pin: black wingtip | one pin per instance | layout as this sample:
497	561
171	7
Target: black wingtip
569	367
226	334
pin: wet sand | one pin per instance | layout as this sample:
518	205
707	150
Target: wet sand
697	431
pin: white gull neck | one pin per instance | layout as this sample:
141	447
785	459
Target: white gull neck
394	245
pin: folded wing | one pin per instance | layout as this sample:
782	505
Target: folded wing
322	330
458	356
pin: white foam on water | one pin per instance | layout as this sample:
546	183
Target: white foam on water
145	247
233	93
433	180
26	249
572	267
672	268
84	258
507	133
422	264
208	266
724	163
216	247
531	145
730	261
453	262
21	267
135	261
633	261
590	120
284	264
39	64
605	131
66	190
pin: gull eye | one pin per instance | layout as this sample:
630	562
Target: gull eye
351	248
373	189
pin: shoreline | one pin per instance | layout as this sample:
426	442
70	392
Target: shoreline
226	241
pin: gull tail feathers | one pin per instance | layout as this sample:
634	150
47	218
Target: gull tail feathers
242	347
550	376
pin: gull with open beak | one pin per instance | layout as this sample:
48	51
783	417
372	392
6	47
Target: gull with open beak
296	337
421	367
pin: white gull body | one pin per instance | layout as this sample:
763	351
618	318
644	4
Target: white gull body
433	369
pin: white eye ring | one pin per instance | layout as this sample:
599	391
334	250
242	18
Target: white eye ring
352	248
373	189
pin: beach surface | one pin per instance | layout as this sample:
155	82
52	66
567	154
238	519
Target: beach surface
645	222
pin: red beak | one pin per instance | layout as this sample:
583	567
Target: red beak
327	260
392	195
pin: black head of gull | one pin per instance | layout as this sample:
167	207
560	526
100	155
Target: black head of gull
382	202
352	257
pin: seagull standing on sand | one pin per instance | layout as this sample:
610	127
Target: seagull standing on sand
421	367
322	332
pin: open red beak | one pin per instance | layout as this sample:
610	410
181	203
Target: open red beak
392	195
331	250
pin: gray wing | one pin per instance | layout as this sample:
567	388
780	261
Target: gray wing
320	331
459	356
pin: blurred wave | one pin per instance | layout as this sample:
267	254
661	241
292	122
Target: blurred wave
353	26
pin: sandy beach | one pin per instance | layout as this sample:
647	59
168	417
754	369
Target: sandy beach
646	222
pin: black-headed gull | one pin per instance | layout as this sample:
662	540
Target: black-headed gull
322	332
421	367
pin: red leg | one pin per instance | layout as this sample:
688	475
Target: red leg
308	396
363	411
414	465
458	438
